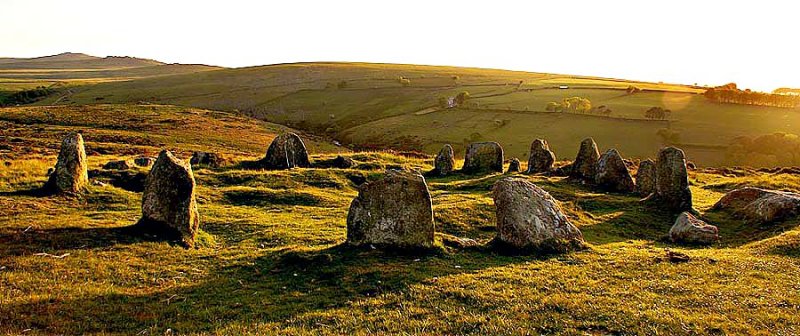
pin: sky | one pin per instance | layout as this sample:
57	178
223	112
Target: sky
752	43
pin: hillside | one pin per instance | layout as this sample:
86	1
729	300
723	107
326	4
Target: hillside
395	106
272	259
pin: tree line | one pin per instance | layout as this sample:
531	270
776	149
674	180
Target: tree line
26	96
731	94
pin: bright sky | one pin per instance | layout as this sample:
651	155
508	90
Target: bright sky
753	43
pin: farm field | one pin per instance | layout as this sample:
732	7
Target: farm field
271	258
367	106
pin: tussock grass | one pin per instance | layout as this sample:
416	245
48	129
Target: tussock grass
271	261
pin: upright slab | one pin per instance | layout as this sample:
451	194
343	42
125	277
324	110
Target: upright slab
393	212
445	162
585	164
672	181
70	174
483	157
285	152
646	178
541	158
168	201
611	173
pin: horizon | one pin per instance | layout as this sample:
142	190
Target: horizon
621	40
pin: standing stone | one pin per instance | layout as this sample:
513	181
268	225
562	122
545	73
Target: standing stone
285	152
691	230
612	173
168	201
445	162
672	181
646	178
513	166
395	211
541	158
529	218
586	161
483	157
70	174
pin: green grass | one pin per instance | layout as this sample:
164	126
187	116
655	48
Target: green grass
375	111
272	261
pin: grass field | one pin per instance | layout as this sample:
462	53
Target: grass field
373	109
272	260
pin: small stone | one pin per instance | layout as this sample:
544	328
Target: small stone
343	162
118	165
691	230
513	166
541	159
445	162
213	160
144	161
483	157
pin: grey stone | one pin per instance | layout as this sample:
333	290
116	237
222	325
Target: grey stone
672	181
483	157
529	218
691	230
445	162
612	174
168	200
285	152
585	162
393	212
513	166
760	206
70	174
541	158
119	165
646	178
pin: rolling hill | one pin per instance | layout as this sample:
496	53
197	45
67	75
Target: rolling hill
371	106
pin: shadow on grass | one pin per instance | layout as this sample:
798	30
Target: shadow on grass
71	238
275	287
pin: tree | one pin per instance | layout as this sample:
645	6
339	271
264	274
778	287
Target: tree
462	97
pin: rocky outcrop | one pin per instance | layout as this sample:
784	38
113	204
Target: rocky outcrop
70	174
760	206
541	159
612	174
689	229
646	178
585	162
529	218
445	162
168	202
483	157
285	152
513	166
393	212
672	181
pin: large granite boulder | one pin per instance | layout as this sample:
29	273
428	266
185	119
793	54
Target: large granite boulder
529	218
691	230
483	157
169	207
612	174
672	181
760	206
514	166
445	162
285	152
70	174
393	212
646	178
585	162
541	158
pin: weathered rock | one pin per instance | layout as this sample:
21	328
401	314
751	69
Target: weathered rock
585	162
483	157
285	152
70	174
529	218
343	162
513	166
445	162
646	178
541	158
144	161
691	230
168	202
672	181
760	206
213	160
612	174
119	165
394	211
